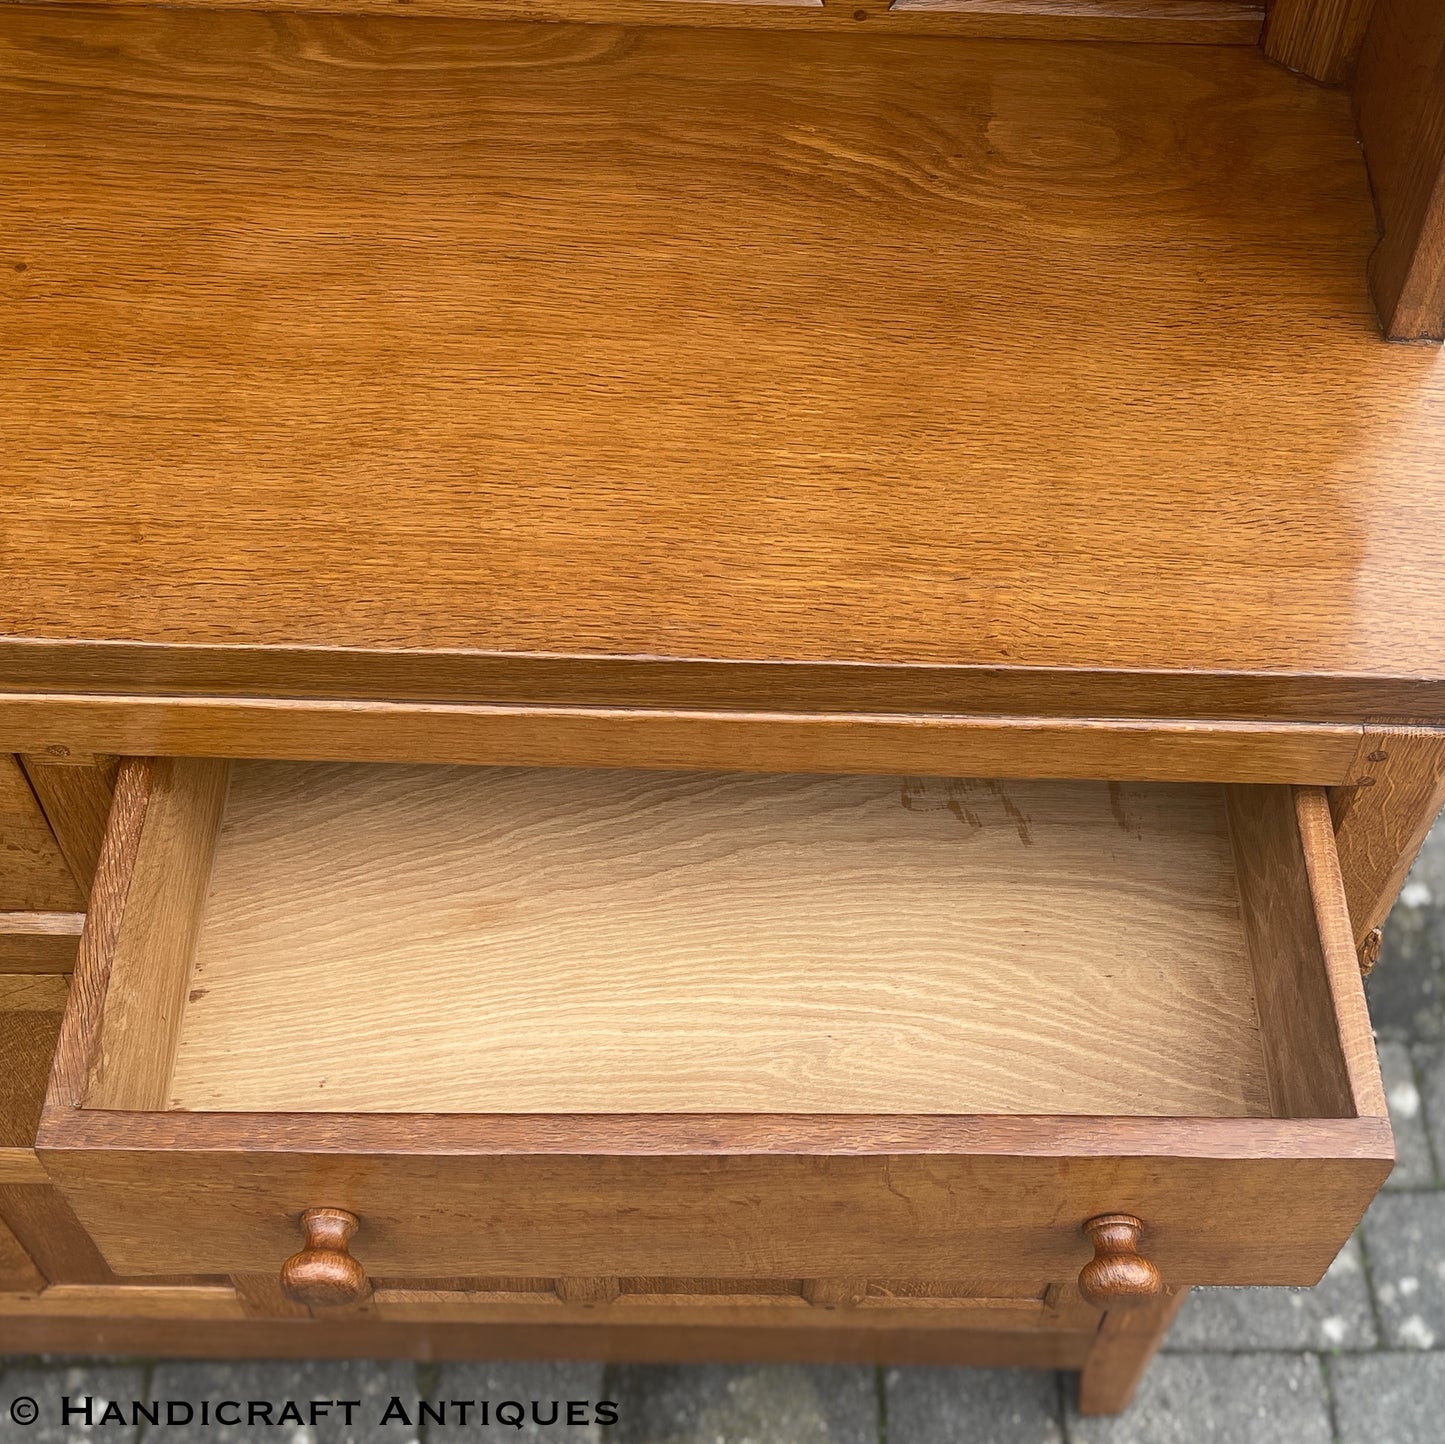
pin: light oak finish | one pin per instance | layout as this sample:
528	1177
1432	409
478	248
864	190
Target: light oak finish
415	341
30	1012
1304	960
33	873
75	795
1320	38
137	1303
741	1195
1121	1350
1146	749
640	942
1384	820
131	1066
1400	100
1203	22
39	942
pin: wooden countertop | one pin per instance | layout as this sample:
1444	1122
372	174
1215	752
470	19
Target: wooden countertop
431	359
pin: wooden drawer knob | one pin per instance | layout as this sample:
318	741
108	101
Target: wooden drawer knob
324	1274
1118	1273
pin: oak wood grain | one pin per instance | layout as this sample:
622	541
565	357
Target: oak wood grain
1031	747
42	1220
33	872
108	1331
39	942
819	287
80	1026
1204	22
1320	38
130	1066
1298	1011
1400	100
30	1012
1385	817
1352	1031
18	1273
1126	1341
640	942
793	1215
75	796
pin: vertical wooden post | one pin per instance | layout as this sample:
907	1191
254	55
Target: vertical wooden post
1319	38
1127	1340
1400	103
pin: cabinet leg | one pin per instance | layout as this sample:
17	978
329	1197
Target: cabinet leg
1127	1340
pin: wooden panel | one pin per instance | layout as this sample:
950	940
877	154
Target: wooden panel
1385	818
791	1215
1318	1047
39	942
75	795
33	873
30	1013
1205	22
18	1273
1157	750
136	1302
642	942
151	962
1352	1031
1400	100
48	1230
369	1338
834	477
1321	38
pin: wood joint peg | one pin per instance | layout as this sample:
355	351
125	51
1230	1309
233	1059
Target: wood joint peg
324	1274
1117	1275
839	1293
585	1290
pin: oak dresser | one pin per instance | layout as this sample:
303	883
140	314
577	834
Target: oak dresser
693	680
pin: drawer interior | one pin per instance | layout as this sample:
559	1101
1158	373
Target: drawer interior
355	938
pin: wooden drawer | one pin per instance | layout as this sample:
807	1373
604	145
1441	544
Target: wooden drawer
580	1024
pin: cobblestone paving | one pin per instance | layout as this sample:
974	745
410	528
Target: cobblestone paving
1358	1360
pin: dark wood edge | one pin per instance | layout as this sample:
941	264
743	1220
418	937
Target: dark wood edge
80	1028
65	1128
1174	22
37	667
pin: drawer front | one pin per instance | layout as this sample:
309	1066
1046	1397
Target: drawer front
1276	1217
1244	953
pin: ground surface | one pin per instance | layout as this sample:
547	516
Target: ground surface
1358	1360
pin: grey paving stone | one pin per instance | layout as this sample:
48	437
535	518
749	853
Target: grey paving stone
979	1406
370	1384
1414	1168
1389	1398
766	1404
50	1387
552	1387
1219	1399
1429	1059
1335	1314
1405	1241
1407	989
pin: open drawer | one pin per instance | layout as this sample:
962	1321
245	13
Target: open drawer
599	1023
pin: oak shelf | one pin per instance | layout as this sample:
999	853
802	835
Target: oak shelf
332	346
